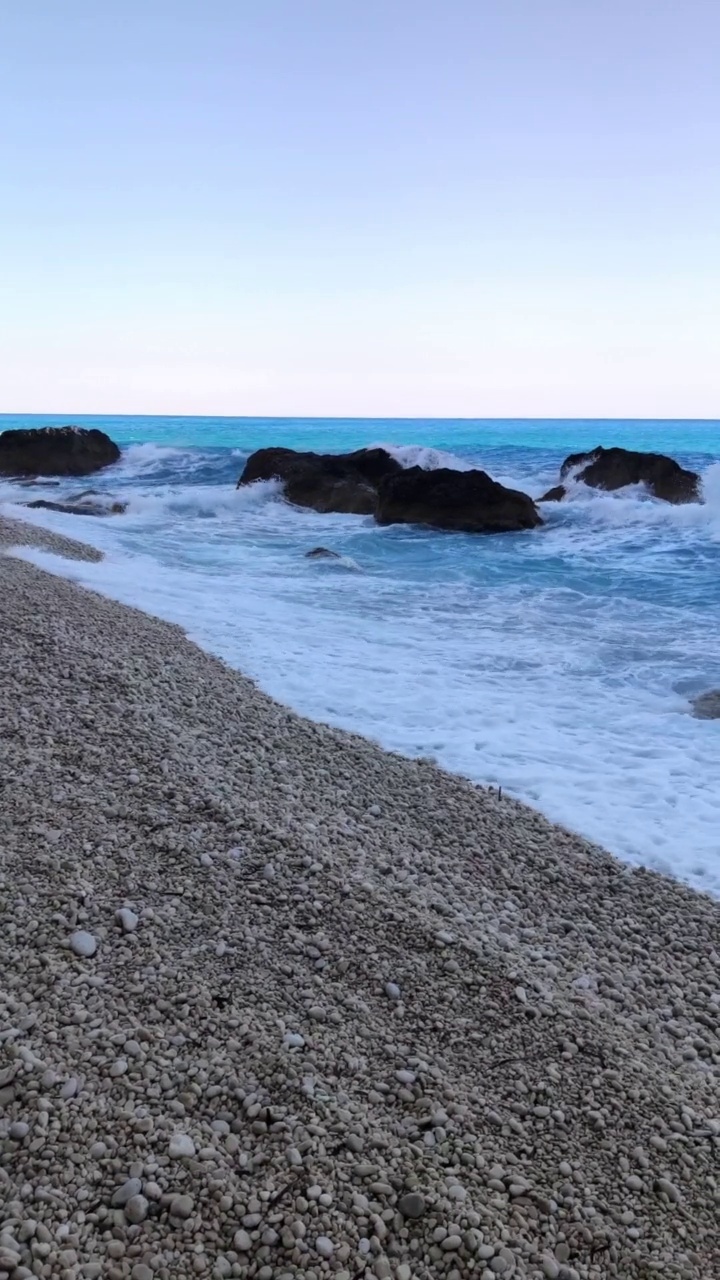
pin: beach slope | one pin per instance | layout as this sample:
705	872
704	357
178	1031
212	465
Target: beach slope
276	1003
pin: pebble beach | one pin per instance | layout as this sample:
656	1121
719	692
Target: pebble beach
278	1004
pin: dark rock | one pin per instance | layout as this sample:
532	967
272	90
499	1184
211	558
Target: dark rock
326	482
554	495
612	469
322	553
55	451
80	508
707	705
463	501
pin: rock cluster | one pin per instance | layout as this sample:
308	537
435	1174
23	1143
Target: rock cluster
371	482
345	1016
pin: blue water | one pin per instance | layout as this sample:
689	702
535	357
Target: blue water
557	663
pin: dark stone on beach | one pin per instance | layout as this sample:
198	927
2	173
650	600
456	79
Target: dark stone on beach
554	495
56	451
322	553
612	469
707	705
344	483
461	501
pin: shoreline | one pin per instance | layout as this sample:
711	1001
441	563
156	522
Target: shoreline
348	970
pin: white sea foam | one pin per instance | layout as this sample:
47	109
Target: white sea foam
552	664
417	455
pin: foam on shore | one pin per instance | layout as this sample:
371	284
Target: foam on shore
346	978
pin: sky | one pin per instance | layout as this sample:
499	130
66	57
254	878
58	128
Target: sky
471	208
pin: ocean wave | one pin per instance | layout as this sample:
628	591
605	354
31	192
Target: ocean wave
417	455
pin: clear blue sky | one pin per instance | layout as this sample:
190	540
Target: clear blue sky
461	207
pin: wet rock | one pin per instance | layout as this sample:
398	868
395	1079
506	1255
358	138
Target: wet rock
616	468
56	451
458	501
328	482
707	705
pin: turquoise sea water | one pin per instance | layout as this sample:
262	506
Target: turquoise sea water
557	663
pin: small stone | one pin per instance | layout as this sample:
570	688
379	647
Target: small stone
456	1192
121	1196
181	1146
136	1209
142	1272
69	1089
665	1187
83	943
127	920
181	1206
451	1243
119	1067
405	1077
392	991
19	1130
412	1205
325	1247
293	1040
550	1268
242	1241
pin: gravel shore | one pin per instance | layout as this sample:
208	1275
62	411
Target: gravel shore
276	1003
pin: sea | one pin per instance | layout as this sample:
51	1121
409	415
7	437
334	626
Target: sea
558	664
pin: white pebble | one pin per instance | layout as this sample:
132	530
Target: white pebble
127	920
325	1247
181	1145
392	991
83	943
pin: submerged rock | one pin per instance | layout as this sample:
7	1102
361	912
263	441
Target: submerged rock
82	505
322	553
616	468
326	482
462	501
707	705
554	495
56	451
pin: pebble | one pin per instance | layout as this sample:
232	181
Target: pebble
181	1206
242	1241
392	991
84	944
325	1247
132	1187
181	1146
19	1130
136	1209
412	1205
127	920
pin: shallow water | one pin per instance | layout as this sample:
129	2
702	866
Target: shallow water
557	663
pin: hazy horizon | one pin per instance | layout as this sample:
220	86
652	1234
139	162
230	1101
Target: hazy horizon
436	210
